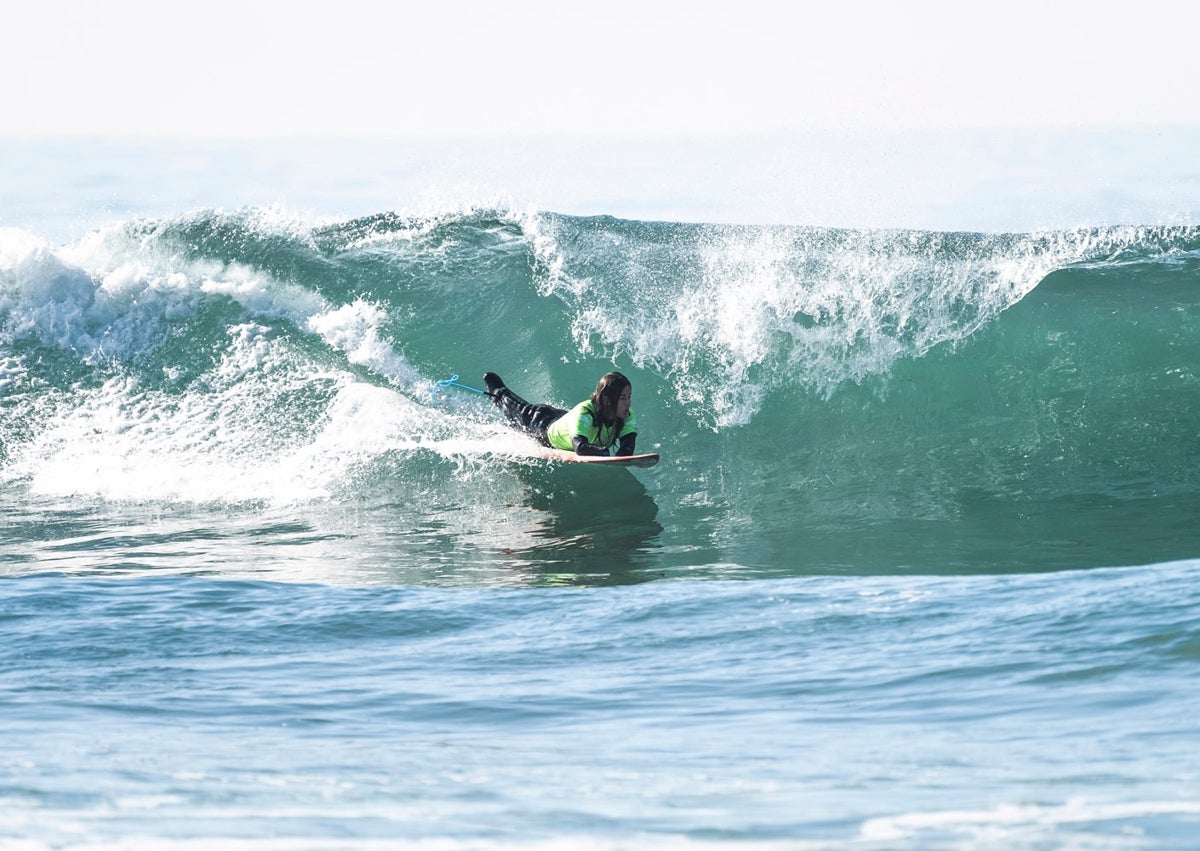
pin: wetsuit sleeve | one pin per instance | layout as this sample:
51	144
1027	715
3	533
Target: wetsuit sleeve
582	447
627	442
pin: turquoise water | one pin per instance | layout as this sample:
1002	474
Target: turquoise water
917	568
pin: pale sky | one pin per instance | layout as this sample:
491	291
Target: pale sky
251	68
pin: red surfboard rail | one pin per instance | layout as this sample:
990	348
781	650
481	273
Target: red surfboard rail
648	459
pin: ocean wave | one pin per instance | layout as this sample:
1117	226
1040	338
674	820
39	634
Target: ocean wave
885	378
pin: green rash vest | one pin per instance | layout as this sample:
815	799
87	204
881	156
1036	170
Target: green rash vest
579	420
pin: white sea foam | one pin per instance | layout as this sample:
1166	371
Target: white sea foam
11	370
112	296
355	329
732	313
1021	823
223	439
108	298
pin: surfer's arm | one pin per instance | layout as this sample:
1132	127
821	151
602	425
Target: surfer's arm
582	447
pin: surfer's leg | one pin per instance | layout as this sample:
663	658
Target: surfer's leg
493	383
540	418
509	402
515	408
534	419
525	416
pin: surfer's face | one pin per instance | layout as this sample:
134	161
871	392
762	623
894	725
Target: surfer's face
623	402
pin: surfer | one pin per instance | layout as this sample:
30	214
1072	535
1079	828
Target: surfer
601	425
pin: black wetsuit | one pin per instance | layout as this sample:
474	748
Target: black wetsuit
534	419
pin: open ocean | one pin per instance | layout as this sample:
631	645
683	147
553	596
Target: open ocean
919	568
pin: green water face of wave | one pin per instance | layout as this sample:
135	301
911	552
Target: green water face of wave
823	400
1064	433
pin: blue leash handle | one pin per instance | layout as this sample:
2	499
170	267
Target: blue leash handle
452	381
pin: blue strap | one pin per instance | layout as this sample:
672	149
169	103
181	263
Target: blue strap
452	381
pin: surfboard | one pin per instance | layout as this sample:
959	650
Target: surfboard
648	459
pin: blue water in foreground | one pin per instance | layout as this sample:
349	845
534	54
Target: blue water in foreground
919	568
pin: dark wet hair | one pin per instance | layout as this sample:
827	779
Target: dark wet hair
608	390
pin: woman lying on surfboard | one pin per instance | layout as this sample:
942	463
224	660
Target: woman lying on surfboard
601	425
